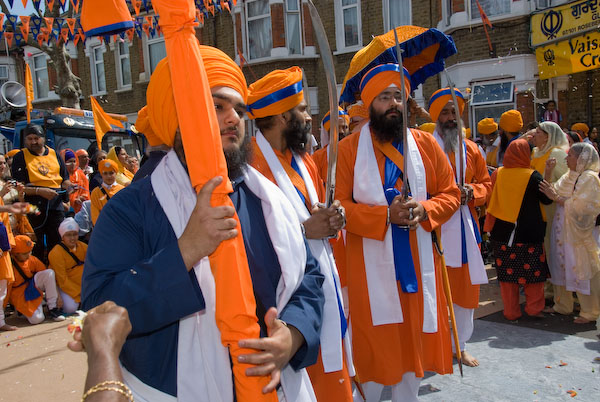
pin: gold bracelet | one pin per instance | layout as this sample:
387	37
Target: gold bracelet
126	392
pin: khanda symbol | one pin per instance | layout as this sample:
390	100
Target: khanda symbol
549	57
551	24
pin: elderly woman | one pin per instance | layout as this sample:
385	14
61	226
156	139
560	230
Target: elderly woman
575	265
120	157
517	229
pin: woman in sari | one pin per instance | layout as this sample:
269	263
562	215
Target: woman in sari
78	179
575	264
517	228
120	157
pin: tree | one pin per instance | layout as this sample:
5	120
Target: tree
67	86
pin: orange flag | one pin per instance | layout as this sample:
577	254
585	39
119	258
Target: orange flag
64	33
102	121
75	6
49	21
25	6
9	37
136	6
50	4
130	32
71	25
1	22
25	26
235	312
484	18
28	91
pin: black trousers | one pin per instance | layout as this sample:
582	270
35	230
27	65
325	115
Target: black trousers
45	227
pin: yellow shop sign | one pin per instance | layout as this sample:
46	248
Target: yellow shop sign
573	55
564	21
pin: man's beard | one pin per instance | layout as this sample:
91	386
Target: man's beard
449	133
386	128
296	136
237	158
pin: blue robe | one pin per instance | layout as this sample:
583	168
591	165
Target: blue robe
133	259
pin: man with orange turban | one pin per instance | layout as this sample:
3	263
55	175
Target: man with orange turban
276	103
321	156
460	234
487	129
184	339
359	115
582	129
399	311
511	123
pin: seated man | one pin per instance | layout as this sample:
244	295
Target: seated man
100	195
66	259
31	279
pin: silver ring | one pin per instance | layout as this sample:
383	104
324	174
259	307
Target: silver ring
410	214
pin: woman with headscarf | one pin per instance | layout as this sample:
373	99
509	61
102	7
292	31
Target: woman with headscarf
575	265
96	178
78	179
119	155
517	231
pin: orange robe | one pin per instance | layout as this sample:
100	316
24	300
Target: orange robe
6	269
384	353
464	293
334	386
99	199
79	179
68	273
17	293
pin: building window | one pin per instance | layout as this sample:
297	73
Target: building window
123	65
97	64
258	28
40	76
396	13
293	26
156	52
3	74
491	8
350	17
491	100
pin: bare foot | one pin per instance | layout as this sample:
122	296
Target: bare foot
468	359
581	320
7	327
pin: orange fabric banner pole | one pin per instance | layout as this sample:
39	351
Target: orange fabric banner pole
235	305
102	121
28	91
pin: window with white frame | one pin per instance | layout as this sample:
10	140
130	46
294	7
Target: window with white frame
123	64
156	52
97	65
491	8
348	24
293	26
39	73
491	99
3	74
258	28
396	13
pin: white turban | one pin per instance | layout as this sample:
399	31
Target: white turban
68	225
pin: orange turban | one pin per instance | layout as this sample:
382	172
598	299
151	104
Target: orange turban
428	127
81	152
440	99
326	122
511	121
380	77
222	71
97	22
107	165
468	132
358	110
580	127
275	93
487	126
23	244
12	152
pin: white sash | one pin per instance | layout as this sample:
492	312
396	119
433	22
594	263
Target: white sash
331	342
452	241
379	255
203	364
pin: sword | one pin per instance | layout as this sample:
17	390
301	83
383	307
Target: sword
405	188
328	66
461	168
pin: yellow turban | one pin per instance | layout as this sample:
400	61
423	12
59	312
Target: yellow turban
468	132
511	121
12	153
428	127
440	99
108	165
341	113
23	244
380	77
487	126
580	127
358	110
275	93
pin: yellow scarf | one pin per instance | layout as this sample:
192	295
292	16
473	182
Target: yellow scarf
508	192
112	155
539	163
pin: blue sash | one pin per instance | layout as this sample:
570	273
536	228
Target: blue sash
297	169
462	228
403	262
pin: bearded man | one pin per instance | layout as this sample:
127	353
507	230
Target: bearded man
399	311
460	234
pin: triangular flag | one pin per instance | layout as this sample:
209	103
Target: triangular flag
35	32
484	18
10	2
226	5
24	6
49	22
146	28
71	24
64	33
36	4
75	4
1	22
136	6
102	121
12	19
36	21
1	34
28	91
130	33
62	4
59	22
50	4
18	38
9	37
25	26
149	20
